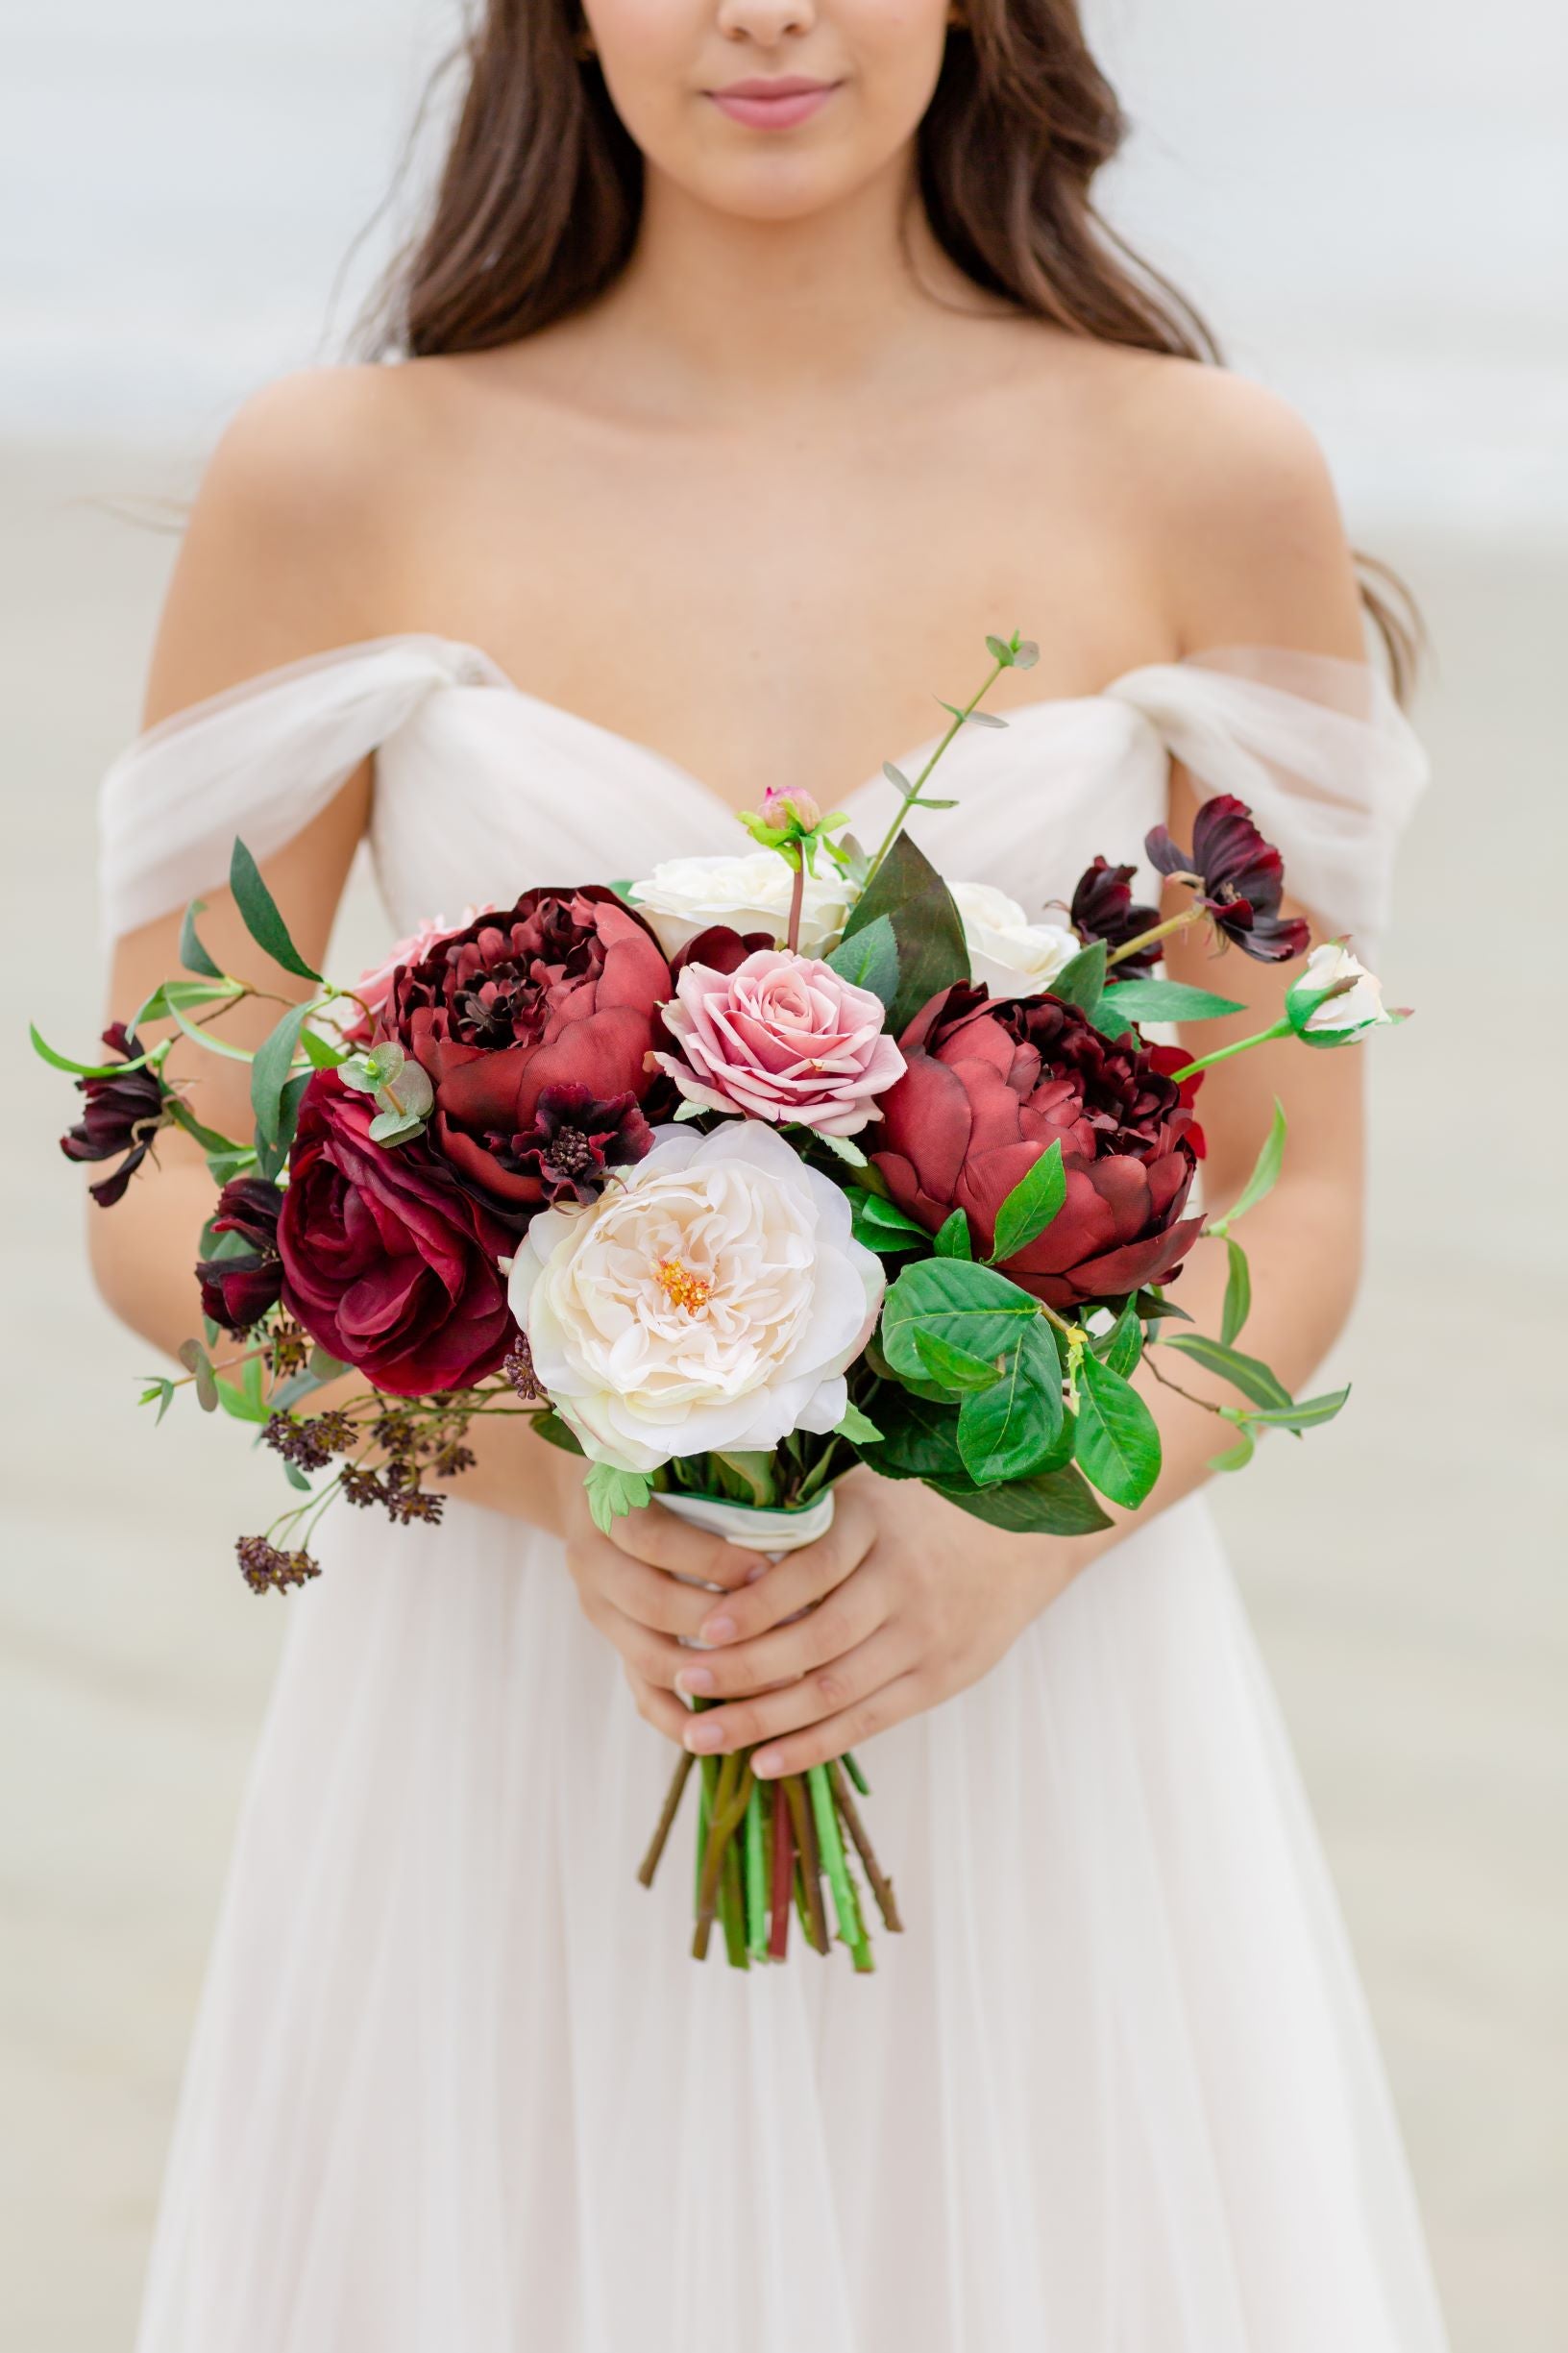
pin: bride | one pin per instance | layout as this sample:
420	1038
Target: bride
759	357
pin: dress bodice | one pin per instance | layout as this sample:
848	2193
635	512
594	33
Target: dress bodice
483	790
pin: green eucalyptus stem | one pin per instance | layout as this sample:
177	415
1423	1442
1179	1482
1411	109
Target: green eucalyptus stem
1160	931
912	801
756	1879
1225	1053
850	1926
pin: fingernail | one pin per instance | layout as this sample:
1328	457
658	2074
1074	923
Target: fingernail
761	1570
716	1630
694	1680
703	1734
766	1763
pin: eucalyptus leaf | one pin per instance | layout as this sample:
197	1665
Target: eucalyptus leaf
296	1478
209	1138
258	910
870	960
199	1364
1119	1439
392	1128
1082	982
1248	1374
271	1069
1036	1199
984	719
79	1070
1309	1414
952	1237
1238	1293
1167	1000
236	1404
270	1158
204	1037
160	1388
192	954
896	776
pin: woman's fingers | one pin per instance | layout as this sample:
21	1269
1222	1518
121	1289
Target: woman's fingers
661	1540
657	1708
905	1696
650	1596
850	1616
793	1583
832	1692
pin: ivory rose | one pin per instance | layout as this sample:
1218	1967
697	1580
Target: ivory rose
751	892
1337	999
782	1038
709	1302
1008	955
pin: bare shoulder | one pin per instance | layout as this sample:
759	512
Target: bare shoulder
1244	516
289	542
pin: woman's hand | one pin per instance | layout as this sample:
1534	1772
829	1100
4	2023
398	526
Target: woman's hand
908	1601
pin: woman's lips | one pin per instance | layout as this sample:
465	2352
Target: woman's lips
773	105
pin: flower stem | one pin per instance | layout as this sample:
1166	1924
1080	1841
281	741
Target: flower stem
797	897
811	1869
756	1879
1224	1053
783	1878
912	801
850	1926
667	1819
1160	931
729	1806
881	1885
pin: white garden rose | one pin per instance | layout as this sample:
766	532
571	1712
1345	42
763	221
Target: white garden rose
749	893
709	1302
1356	1002
1008	954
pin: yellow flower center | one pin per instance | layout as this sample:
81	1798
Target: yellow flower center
682	1287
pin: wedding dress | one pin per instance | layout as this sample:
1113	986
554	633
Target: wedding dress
456	2086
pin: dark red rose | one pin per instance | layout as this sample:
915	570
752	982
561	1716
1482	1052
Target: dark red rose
563	991
124	1112
1240	877
991	1085
720	949
237	1292
388	1261
1104	908
574	1142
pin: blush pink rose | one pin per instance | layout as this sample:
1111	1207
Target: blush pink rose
782	1038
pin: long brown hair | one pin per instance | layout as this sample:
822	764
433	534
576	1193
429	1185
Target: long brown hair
538	201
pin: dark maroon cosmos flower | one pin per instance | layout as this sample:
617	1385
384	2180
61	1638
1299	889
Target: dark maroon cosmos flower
1241	878
124	1112
1104	908
564	990
990	1086
388	1261
237	1292
574	1143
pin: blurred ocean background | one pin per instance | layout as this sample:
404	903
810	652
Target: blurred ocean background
1371	199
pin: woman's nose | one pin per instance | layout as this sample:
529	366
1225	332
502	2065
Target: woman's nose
766	21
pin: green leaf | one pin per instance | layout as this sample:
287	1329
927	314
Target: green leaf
1237	1294
1082	982
235	1402
271	1070
842	1147
320	1051
1106	1020
204	1037
324	1366
549	1426
1007	1429
160	1388
1000	651
882	1226
613	1492
222	1166
1031	1204
79	1070
1050	1504
869	960
954	1368
1119	1441
932	955
896	776
208	1138
271	1157
919	1438
1309	1414
1155	1308
258	910
186	995
192	954
952	1237
1248	1374
199	1364
1236	1457
296	1478
1167	1000
1124	1345
391	1128
968	1306
858	1428
1264	1176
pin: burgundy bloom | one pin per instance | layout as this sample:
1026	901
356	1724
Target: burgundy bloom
1103	908
388	1261
562	990
1240	877
237	1292
720	949
991	1085
124	1112
574	1143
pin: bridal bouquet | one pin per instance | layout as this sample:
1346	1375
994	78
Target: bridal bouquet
730	1179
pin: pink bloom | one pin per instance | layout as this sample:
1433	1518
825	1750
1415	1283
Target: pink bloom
376	985
778	808
782	1038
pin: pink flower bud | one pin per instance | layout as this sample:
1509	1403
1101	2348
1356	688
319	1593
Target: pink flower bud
796	808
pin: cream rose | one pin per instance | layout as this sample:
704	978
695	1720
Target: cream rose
711	1301
1335	998
1008	954
751	892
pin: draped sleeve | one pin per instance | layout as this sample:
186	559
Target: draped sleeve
1318	750
261	761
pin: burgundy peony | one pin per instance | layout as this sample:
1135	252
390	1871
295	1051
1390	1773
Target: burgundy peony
237	1292
990	1086
388	1261
1240	876
124	1112
562	990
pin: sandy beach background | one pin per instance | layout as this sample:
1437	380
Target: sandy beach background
176	192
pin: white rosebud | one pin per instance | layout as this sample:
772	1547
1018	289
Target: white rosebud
1334	999
1008	955
749	893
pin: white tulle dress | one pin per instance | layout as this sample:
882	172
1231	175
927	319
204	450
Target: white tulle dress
456	2086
